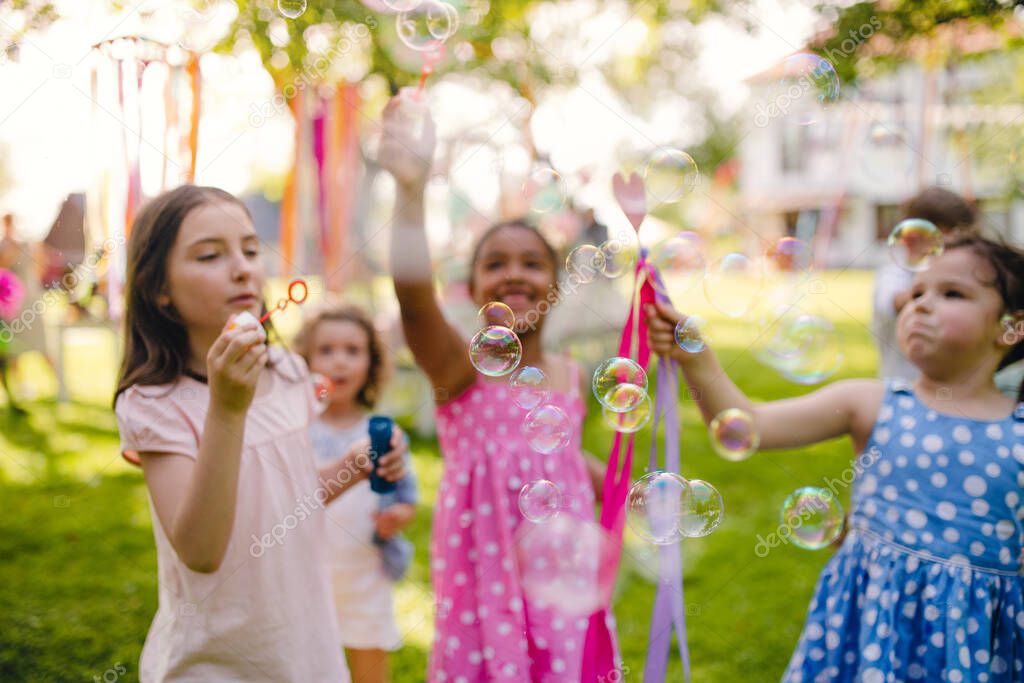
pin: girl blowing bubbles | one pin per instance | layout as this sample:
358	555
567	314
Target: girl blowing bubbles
926	584
485	630
365	549
218	422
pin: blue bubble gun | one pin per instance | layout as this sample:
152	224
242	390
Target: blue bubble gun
380	443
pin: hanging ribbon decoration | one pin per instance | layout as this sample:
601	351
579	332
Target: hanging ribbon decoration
669	612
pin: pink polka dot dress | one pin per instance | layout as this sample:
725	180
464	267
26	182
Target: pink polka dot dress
486	629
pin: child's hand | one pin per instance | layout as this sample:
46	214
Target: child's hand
661	330
390	466
395	518
233	366
407	140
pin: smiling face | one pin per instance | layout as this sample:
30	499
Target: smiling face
340	350
952	319
214	269
513	266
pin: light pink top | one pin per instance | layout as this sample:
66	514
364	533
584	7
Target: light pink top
266	614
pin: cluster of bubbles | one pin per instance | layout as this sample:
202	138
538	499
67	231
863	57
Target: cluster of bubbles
813	517
915	243
611	259
663	508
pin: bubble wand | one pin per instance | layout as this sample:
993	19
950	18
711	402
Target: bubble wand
298	291
432	56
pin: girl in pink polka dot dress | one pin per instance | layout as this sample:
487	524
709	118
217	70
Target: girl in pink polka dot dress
486	628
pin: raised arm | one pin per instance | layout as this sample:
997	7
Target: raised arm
840	408
406	151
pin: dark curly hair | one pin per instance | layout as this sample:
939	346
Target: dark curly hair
1007	263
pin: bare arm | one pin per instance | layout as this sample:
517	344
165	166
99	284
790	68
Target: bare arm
838	409
195	501
340	476
438	348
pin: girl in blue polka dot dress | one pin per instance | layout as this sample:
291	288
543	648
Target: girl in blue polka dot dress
927	583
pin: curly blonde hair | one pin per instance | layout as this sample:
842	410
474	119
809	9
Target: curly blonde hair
377	373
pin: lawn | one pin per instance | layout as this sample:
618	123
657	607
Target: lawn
78	565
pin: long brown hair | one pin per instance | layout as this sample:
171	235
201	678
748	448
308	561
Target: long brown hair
156	346
1007	262
376	374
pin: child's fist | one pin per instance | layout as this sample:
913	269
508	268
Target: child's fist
407	139
393	519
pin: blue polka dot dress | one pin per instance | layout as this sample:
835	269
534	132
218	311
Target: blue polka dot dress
927	584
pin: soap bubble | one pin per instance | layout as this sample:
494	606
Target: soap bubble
529	387
703	510
402	5
547	429
790	255
813	516
655	505
495	351
806	85
497	313
690	334
323	388
669	175
733	434
428	23
732	285
630	421
891	152
813	349
539	500
620	384
545	190
292	9
680	260
619	258
566	563
585	262
915	243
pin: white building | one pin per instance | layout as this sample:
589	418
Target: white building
840	172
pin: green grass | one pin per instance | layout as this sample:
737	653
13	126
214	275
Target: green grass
78	565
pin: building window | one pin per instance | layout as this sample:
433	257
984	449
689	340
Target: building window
802	224
794	147
886	218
